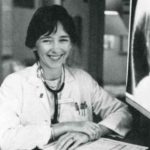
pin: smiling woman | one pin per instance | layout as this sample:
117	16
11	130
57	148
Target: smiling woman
50	101
53	49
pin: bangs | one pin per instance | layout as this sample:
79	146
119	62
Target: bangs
45	21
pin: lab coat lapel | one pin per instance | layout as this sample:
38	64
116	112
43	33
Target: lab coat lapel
71	89
40	90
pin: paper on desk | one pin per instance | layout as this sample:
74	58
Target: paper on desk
108	144
104	144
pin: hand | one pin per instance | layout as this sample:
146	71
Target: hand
71	140
90	128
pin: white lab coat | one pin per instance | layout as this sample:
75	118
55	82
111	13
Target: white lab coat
25	110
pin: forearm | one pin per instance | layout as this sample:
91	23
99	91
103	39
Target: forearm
93	130
62	128
119	122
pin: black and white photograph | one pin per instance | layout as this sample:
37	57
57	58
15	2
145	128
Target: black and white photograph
67	71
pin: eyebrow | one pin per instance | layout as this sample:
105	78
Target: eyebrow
48	36
65	36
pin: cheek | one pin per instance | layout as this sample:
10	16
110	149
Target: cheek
42	50
40	53
68	48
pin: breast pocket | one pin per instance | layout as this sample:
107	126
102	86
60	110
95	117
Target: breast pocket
67	112
71	111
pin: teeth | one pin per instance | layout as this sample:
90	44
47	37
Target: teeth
55	57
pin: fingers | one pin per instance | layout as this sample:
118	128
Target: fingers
64	141
75	145
71	141
92	130
87	127
67	144
79	139
96	131
91	133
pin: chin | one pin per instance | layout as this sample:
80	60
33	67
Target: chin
55	66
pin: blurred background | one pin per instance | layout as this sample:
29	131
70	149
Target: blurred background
102	26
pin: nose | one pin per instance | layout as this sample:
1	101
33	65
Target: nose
55	46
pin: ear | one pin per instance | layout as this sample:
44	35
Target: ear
34	50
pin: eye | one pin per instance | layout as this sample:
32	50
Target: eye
64	40
47	41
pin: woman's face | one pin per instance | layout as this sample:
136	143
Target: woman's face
53	49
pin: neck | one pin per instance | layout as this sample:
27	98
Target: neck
51	73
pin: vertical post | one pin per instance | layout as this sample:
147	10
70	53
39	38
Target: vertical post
6	18
96	32
5	32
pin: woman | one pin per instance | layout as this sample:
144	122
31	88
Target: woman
49	100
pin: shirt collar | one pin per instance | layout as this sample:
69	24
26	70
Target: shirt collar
69	77
34	77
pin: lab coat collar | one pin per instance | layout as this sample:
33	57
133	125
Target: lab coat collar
34	78
69	77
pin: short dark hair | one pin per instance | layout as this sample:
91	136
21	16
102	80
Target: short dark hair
45	20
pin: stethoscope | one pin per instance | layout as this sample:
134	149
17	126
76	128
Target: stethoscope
54	120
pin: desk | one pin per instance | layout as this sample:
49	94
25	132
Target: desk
141	123
106	144
133	137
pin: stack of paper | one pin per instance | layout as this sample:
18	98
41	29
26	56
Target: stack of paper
108	144
104	144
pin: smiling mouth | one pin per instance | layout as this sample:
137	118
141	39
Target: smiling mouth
55	57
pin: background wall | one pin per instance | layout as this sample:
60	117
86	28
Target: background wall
21	17
115	59
80	8
114	65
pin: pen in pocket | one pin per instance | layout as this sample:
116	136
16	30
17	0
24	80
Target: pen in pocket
83	108
77	107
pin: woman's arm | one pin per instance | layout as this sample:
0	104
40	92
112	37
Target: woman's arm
114	113
73	139
93	130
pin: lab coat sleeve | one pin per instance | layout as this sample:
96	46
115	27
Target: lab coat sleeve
13	134
113	112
